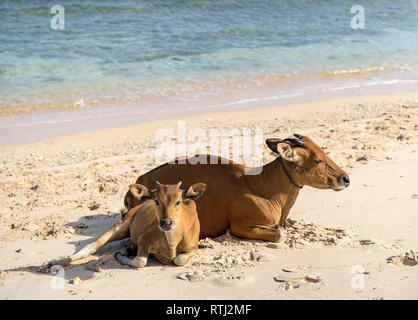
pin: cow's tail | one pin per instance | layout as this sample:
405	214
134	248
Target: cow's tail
118	232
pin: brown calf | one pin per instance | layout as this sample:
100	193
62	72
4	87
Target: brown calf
165	224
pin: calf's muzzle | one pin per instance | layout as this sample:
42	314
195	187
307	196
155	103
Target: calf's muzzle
166	224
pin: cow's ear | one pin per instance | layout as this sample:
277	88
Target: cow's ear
195	191
282	149
272	144
285	151
140	192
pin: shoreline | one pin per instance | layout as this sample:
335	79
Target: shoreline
33	134
91	119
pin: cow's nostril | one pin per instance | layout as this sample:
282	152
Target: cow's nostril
346	180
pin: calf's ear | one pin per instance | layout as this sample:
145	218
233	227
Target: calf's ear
195	191
140	192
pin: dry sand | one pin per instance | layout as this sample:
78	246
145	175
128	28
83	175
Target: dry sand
59	194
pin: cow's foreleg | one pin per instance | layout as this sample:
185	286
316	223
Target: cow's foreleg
283	222
259	232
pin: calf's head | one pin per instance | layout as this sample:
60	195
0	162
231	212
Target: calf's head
310	165
168	200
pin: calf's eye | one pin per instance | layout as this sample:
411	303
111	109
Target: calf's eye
318	161
177	203
156	202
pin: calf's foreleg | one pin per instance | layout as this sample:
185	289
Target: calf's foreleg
118	232
143	242
183	258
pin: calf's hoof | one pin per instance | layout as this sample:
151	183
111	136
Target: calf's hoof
139	262
182	259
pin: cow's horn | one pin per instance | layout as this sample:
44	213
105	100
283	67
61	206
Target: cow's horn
297	142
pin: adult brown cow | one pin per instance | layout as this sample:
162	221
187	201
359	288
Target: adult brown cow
251	206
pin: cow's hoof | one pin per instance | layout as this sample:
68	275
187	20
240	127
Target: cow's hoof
281	236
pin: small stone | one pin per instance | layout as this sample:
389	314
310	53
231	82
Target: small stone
238	260
93	206
331	240
366	242
401	137
255	255
406	259
272	245
192	276
362	158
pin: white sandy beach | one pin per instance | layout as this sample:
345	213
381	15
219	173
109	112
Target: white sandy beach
58	194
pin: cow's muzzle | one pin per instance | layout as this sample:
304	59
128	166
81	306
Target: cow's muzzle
344	182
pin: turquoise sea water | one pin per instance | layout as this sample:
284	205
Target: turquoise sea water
153	56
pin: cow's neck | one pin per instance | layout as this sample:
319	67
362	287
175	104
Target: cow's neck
274	184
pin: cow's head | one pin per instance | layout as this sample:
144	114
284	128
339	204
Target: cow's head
310	165
168	200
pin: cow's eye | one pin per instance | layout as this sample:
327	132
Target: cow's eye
318	161
177	203
156	202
